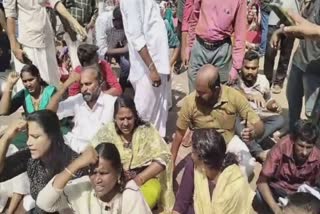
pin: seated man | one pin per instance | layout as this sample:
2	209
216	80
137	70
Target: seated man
256	88
91	109
112	42
289	164
213	105
88	56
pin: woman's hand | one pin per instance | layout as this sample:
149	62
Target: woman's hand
12	79
14	128
87	158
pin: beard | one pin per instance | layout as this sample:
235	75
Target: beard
89	97
249	79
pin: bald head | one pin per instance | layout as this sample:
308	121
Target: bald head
208	75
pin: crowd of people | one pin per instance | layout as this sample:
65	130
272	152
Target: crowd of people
84	145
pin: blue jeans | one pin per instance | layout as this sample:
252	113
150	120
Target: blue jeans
264	31
300	84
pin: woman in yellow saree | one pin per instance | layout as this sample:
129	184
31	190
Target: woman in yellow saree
145	156
212	180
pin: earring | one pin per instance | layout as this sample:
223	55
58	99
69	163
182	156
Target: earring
119	180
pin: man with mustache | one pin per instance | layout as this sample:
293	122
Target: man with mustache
256	88
292	165
91	108
213	105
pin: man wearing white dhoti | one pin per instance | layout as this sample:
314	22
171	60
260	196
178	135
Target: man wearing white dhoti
149	57
35	35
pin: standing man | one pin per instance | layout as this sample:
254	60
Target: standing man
35	42
265	13
86	13
304	77
215	24
149	57
285	48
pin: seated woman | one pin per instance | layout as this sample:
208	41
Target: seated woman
145	156
253	33
35	96
88	56
106	190
46	155
212	181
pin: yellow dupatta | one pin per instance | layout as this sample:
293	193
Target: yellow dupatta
147	146
232	193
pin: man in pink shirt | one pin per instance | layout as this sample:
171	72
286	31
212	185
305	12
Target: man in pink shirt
212	23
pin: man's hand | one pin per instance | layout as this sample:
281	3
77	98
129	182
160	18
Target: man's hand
248	134
81	31
258	100
302	28
233	77
154	76
89	26
18	53
273	106
185	56
275	40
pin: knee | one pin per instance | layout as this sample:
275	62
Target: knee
279	122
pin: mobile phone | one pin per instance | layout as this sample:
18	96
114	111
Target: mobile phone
282	14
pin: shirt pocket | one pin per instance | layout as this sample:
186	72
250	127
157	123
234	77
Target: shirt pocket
225	17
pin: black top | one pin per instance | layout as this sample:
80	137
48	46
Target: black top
39	177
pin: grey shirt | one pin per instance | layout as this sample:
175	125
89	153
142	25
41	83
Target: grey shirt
285	4
307	56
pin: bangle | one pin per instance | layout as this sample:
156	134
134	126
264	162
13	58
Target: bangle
150	65
69	172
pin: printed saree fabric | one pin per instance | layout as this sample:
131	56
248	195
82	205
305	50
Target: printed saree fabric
146	146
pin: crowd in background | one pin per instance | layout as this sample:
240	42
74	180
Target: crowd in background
85	144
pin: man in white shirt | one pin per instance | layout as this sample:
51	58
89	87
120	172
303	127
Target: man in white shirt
149	57
256	88
36	38
112	42
91	109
